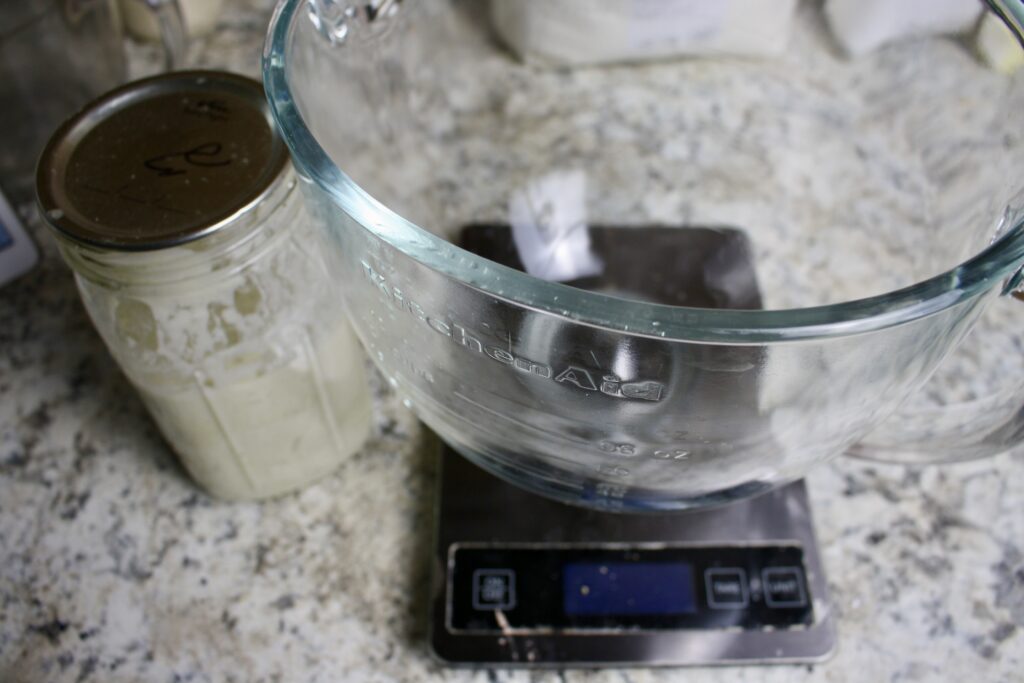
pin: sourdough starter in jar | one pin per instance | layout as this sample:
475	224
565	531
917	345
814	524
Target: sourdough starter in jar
174	203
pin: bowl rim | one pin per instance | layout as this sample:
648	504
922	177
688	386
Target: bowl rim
966	282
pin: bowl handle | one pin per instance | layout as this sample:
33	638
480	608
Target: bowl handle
334	19
986	426
968	429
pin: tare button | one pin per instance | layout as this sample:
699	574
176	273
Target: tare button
784	587
726	587
494	589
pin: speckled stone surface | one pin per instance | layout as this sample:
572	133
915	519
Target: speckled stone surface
113	567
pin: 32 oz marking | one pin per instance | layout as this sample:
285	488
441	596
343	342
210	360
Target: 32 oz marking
626	449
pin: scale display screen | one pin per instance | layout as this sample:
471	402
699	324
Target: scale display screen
574	588
627	588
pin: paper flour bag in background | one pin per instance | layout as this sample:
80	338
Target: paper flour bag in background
579	32
861	26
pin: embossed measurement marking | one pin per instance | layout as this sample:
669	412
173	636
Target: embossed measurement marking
626	449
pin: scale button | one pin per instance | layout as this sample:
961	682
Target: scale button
494	589
784	587
727	587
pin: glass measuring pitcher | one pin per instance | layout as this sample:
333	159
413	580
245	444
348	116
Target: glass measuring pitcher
878	198
56	55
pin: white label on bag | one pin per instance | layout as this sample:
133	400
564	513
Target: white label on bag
549	226
666	26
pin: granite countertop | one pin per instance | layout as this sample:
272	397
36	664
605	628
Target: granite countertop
116	568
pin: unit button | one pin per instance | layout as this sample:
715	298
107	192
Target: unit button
784	587
494	589
726	587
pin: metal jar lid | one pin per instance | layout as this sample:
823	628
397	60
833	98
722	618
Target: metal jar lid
161	161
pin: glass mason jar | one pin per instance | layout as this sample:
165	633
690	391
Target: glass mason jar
229	332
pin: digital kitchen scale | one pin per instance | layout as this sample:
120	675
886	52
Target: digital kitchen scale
521	580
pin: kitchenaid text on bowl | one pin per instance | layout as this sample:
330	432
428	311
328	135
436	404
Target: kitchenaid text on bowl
587	379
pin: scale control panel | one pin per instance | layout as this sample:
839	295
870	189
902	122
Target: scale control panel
607	588
521	580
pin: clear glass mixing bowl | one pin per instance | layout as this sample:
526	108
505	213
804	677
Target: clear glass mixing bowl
871	205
